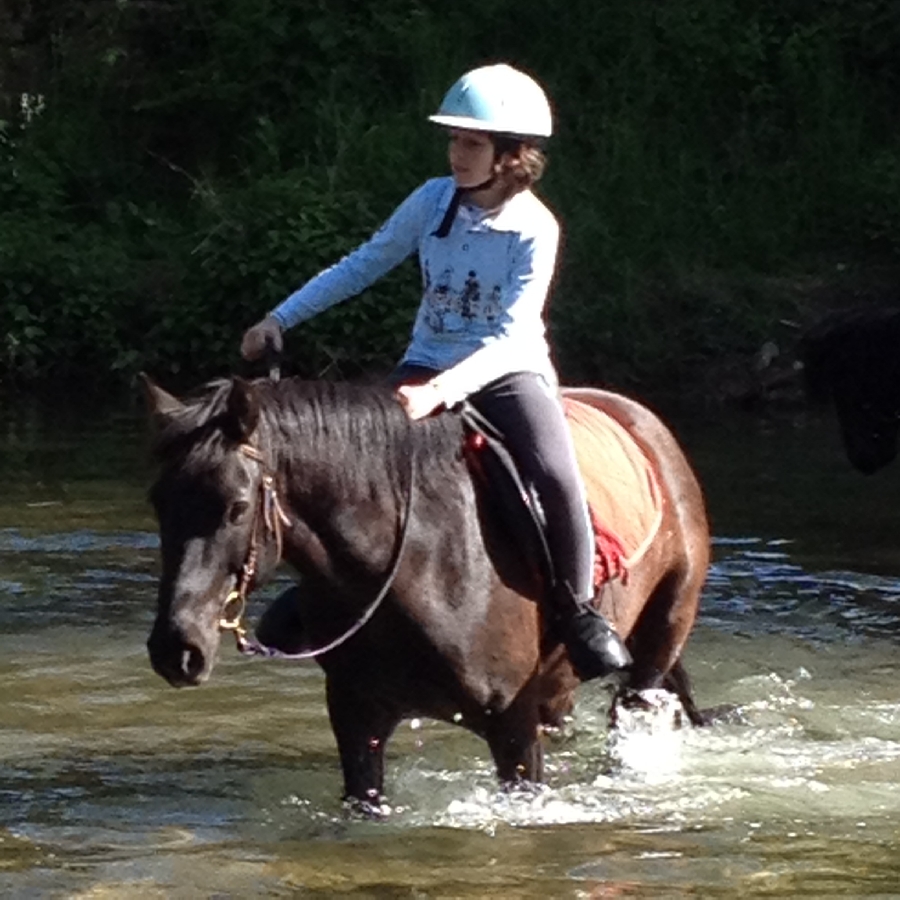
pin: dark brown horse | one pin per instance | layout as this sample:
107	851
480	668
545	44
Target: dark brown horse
367	499
851	358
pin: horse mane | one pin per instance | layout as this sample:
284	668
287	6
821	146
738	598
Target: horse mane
359	430
859	346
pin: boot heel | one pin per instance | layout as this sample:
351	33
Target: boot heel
595	650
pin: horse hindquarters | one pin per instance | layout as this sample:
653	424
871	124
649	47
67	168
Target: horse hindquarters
657	606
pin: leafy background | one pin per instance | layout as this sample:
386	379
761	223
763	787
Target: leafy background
169	171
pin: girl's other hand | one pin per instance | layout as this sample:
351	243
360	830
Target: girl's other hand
420	400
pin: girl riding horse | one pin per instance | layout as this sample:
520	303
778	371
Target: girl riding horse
487	248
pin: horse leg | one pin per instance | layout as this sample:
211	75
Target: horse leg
632	698
362	727
658	636
514	740
657	639
678	682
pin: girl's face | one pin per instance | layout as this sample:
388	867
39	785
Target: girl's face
472	157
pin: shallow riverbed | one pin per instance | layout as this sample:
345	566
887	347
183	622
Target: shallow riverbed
114	785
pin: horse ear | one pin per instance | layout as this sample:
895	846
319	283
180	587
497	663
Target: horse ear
161	404
242	412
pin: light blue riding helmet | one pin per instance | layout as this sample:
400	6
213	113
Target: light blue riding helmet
497	98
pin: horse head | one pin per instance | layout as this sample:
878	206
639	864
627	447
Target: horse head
208	498
869	430
850	358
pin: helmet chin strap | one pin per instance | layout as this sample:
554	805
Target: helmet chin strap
453	207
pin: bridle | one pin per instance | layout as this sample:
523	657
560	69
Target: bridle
271	519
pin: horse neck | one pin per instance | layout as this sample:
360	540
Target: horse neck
344	491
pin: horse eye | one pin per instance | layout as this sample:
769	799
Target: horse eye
237	511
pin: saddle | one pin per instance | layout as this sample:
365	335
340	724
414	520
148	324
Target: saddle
624	499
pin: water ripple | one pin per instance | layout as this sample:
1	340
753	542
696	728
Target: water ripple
13	541
755	587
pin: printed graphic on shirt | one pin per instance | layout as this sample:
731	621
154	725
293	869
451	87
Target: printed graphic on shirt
447	310
493	306
470	299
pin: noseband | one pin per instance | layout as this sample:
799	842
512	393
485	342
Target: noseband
271	518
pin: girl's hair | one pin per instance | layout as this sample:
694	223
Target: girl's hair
525	160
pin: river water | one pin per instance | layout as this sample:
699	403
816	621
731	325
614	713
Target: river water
113	785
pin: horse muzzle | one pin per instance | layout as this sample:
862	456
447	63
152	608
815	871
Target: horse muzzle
183	656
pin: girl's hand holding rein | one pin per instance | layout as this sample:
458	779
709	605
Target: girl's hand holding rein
257	337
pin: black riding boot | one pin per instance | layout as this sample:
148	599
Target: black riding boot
595	650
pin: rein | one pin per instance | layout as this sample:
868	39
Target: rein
273	517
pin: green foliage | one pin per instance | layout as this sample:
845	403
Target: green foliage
257	244
168	172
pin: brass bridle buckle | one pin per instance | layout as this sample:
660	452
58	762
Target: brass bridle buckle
231	621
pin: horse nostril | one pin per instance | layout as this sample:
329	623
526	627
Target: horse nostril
192	663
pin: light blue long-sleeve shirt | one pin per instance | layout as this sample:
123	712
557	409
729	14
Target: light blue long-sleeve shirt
484	285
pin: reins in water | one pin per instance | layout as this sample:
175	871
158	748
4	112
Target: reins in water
271	513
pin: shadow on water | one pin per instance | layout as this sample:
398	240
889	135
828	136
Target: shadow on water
114	785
